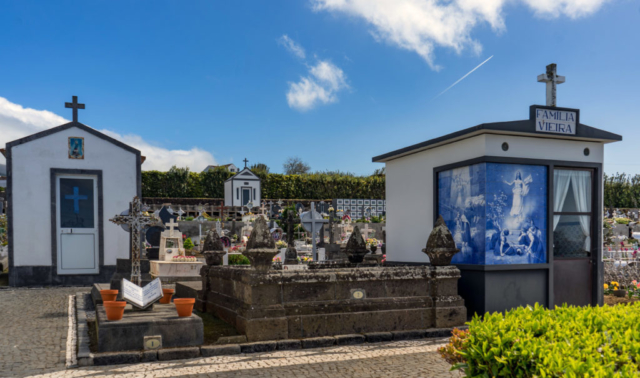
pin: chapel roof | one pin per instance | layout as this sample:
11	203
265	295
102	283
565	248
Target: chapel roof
516	128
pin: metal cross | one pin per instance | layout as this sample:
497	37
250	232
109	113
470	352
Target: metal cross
245	162
75	106
137	222
551	79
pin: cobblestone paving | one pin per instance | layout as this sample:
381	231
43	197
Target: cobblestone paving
405	359
34	332
33	335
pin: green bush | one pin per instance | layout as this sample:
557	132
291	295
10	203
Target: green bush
180	183
188	244
238	260
622	220
565	342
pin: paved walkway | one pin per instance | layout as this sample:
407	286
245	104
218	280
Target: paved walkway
33	332
33	343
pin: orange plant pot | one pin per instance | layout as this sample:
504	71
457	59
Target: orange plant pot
184	306
168	293
114	309
108	295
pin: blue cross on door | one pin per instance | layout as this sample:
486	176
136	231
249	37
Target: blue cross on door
76	197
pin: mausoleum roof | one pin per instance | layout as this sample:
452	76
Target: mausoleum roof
69	125
525	128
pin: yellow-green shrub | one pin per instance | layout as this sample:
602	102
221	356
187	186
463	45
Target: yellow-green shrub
565	342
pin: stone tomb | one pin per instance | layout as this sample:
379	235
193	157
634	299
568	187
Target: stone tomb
129	332
322	302
167	269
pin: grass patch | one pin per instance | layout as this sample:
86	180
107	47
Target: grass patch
214	328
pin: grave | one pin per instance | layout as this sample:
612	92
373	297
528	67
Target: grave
523	200
268	304
83	176
171	265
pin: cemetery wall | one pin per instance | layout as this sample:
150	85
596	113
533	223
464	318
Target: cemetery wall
31	164
410	212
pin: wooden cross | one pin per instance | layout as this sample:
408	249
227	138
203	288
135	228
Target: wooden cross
75	106
222	210
551	79
137	222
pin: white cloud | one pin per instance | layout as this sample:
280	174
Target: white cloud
321	86
422	25
292	46
17	122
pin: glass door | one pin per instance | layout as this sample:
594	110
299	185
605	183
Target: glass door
573	235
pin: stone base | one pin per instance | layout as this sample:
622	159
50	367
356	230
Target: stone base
168	269
129	333
326	302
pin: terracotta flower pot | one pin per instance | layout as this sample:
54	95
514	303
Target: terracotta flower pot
184	306
114	309
108	295
168	293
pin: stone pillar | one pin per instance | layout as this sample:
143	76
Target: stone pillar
448	306
213	254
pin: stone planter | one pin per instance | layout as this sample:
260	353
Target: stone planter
214	257
261	258
374	248
440	246
620	293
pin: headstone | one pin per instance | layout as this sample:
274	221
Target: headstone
153	234
291	255
312	221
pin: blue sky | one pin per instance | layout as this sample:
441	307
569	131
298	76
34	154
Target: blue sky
193	82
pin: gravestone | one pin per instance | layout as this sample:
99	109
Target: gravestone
153	233
312	221
299	208
291	255
323	207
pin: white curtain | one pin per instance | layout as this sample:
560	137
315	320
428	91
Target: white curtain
561	180
581	181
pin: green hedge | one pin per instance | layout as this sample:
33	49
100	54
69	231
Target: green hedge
565	342
180	183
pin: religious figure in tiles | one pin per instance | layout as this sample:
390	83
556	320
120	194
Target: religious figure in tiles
520	190
496	212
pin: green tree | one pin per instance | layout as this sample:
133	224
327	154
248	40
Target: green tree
295	166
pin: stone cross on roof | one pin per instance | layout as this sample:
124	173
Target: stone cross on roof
75	106
551	79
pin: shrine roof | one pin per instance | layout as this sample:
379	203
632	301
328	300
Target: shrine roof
526	128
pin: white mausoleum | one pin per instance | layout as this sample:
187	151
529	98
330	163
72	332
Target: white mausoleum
242	188
82	178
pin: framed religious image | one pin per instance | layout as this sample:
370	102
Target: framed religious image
76	148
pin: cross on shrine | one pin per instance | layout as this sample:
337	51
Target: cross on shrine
245	162
76	197
75	106
172	226
366	231
137	222
551	79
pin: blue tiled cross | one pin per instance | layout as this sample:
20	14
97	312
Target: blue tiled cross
76	197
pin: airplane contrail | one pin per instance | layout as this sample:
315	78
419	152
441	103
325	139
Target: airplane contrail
462	78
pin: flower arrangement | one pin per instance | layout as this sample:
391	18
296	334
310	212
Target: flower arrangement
373	242
281	244
305	259
234	237
181	258
277	259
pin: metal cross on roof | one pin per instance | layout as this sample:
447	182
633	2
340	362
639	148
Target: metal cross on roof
137	222
551	79
245	162
75	106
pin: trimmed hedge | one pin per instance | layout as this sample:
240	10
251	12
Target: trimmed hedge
180	183
565	342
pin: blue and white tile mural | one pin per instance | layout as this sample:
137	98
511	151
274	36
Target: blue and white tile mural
497	213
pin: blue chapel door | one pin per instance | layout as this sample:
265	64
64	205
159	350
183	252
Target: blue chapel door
77	224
